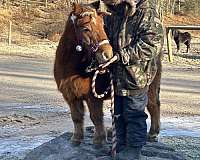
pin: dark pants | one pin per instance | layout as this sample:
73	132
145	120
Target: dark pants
130	120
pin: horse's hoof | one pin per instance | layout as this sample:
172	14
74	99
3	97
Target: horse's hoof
75	143
152	138
99	137
98	142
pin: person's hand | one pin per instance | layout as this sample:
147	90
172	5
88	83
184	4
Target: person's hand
122	56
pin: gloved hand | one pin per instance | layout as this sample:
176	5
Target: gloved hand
122	56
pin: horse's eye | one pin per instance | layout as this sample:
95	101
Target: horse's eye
85	29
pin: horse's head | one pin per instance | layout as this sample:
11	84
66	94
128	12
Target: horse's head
91	38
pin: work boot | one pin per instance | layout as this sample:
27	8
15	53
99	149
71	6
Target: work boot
130	153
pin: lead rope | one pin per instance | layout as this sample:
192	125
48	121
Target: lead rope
114	137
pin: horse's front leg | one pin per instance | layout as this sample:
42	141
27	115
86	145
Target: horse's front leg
178	46
153	105
96	114
77	114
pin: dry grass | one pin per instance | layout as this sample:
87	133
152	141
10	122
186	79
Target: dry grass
181	20
5	16
35	22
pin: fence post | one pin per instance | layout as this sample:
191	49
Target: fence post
10	33
169	44
46	3
179	5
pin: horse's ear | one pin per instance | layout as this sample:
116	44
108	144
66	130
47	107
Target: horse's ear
75	7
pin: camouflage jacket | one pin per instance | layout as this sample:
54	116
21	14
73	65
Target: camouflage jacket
138	40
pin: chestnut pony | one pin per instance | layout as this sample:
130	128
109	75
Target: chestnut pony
83	42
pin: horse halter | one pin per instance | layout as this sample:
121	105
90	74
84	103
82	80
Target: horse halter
94	46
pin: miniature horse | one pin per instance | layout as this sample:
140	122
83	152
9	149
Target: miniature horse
83	40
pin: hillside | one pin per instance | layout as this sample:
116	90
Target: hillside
33	22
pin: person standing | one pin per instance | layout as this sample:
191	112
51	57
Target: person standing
136	35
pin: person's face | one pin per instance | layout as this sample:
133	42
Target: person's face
132	4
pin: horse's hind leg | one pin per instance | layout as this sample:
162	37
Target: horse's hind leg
187	43
77	114
96	114
153	106
154	110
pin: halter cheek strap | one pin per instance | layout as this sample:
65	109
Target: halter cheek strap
73	18
94	47
79	48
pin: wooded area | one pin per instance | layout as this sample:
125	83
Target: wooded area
164	6
180	6
46	18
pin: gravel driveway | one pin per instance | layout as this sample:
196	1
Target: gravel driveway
32	111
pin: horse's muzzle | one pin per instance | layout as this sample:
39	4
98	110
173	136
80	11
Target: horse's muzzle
104	53
102	57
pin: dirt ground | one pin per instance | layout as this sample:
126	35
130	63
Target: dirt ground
32	111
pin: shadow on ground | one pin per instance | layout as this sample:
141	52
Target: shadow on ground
61	149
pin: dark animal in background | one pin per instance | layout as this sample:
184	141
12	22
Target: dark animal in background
181	37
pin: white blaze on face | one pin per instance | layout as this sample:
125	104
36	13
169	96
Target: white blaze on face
73	18
92	14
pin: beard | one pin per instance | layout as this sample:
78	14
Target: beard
112	2
130	3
